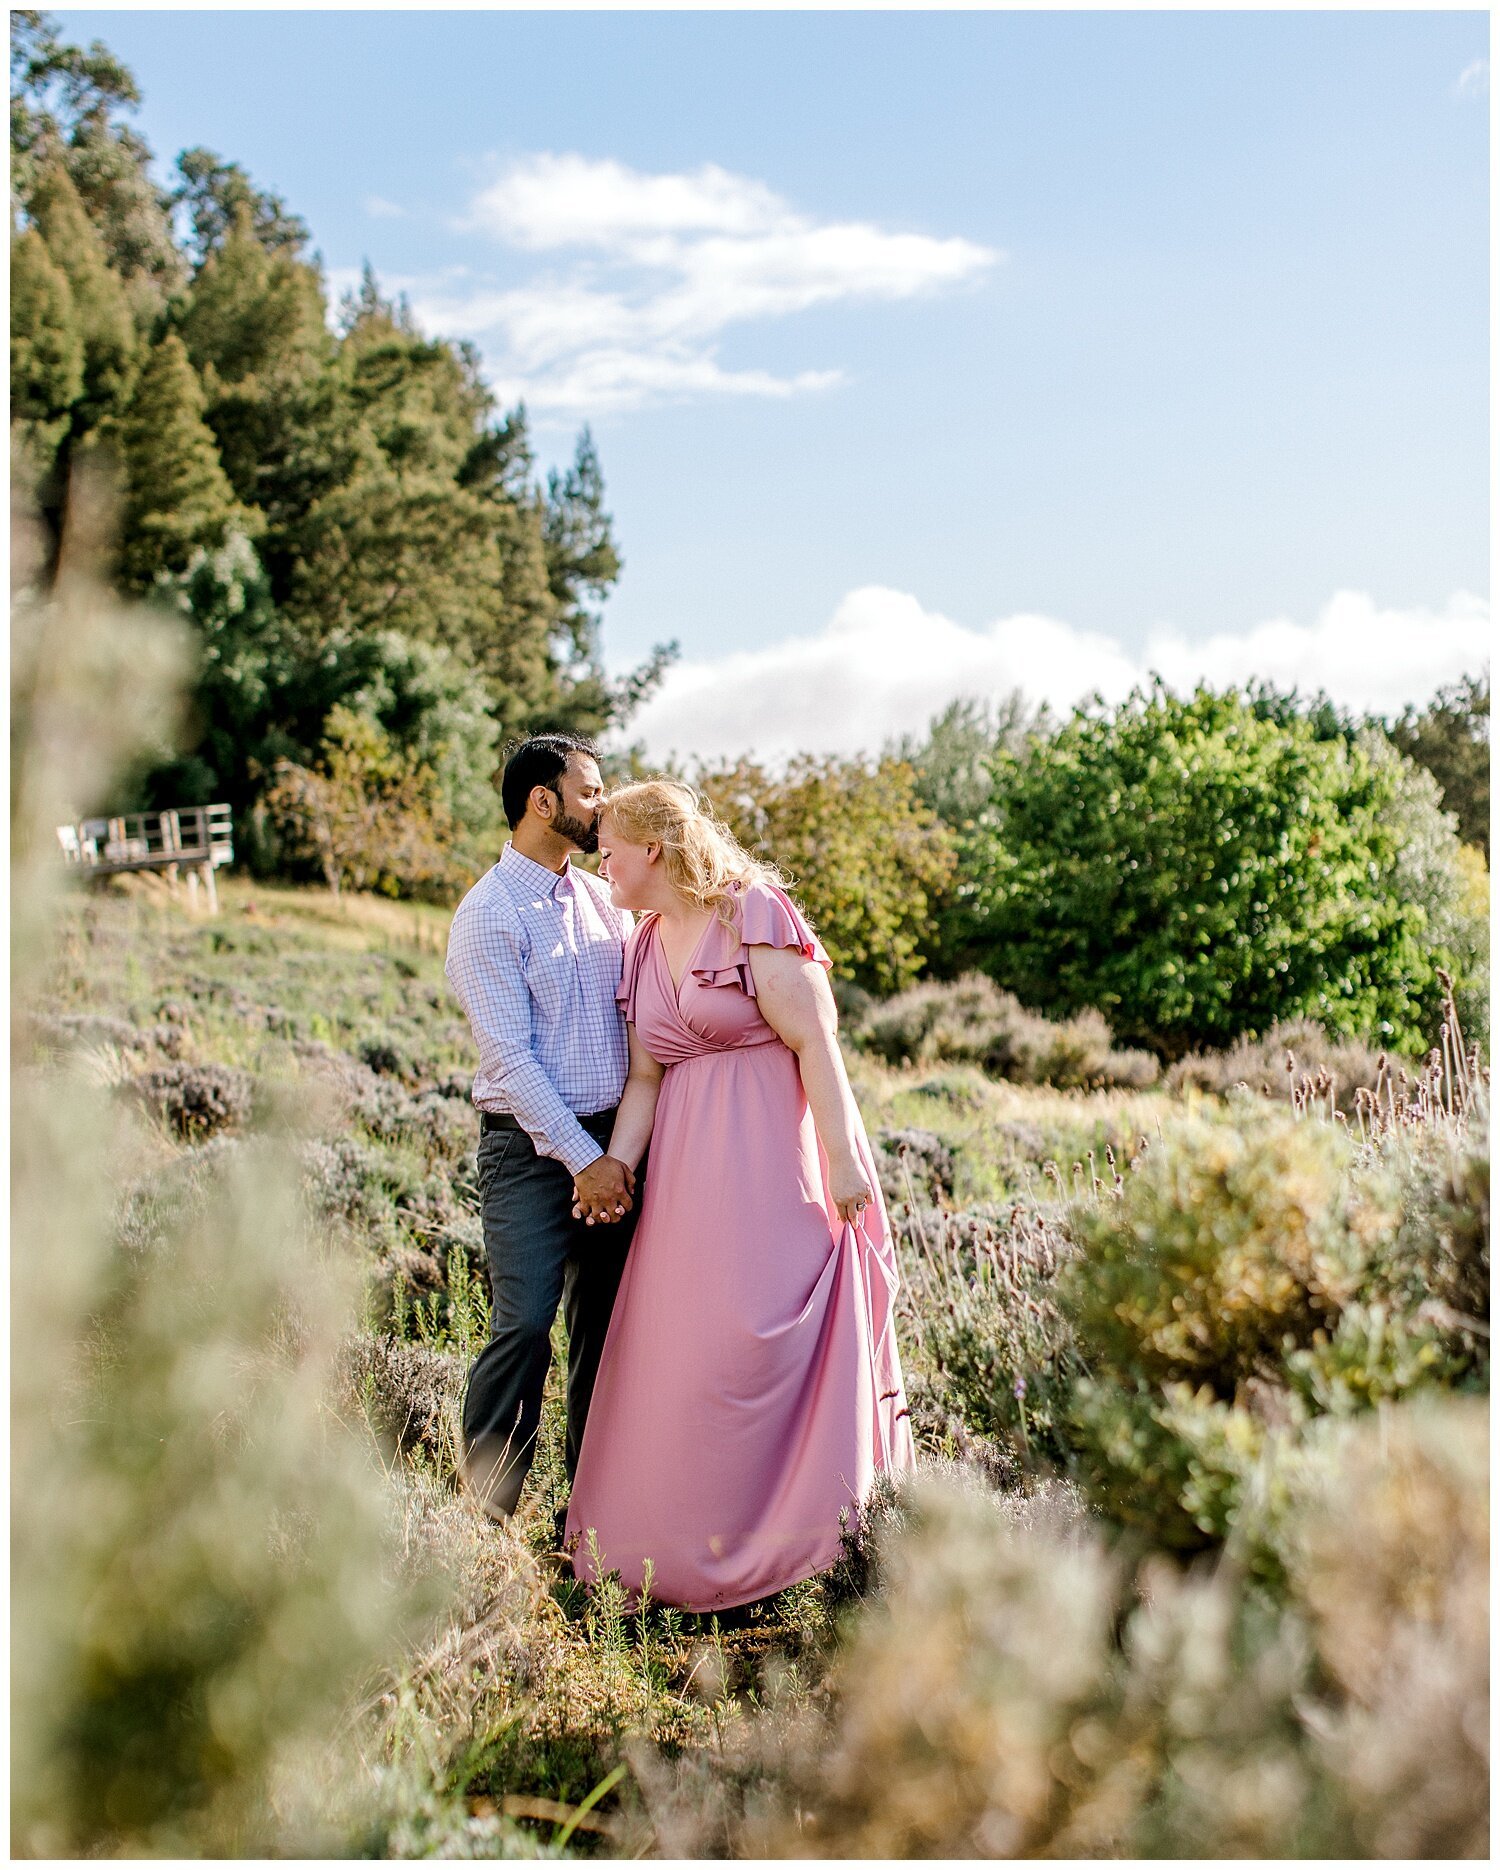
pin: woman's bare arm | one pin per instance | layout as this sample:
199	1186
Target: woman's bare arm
633	1120
797	1004
637	1112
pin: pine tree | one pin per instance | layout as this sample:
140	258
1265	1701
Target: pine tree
252	313
103	310
219	194
433	532
65	106
254	326
582	562
178	497
46	352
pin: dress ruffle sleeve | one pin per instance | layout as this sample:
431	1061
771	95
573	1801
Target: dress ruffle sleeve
630	973
765	917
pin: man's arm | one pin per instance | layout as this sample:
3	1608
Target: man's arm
486	968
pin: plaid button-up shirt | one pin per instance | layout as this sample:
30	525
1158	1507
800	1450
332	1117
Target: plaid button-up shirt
535	959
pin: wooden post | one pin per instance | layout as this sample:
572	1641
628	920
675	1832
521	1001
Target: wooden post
210	888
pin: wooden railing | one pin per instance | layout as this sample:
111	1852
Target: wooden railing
193	838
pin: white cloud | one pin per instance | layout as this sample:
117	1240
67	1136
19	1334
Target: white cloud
884	666
1474	80
646	272
562	201
382	210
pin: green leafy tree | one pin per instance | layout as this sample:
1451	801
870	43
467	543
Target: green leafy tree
863	853
426	701
1195	872
952	760
178	497
46	352
253	677
253	313
265	693
369	815
1319	712
954	767
1435	872
416	536
1451	738
583	565
405	563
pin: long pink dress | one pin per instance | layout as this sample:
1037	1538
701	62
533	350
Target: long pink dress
749	1389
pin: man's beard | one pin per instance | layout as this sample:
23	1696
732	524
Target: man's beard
584	832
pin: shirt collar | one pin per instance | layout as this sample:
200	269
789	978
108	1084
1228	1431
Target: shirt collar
534	875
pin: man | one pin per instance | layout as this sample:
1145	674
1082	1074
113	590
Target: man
535	955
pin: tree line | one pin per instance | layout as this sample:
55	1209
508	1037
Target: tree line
1194	867
380	586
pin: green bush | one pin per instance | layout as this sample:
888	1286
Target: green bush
914	1166
865	857
1196	872
1388	1550
1015	1690
1228	1244
1254	1274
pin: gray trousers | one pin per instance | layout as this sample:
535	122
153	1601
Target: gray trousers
538	1254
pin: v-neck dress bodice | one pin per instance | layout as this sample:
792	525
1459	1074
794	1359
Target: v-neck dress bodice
750	1388
697	1016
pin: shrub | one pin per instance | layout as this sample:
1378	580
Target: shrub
913	1163
1389	1550
1225	1244
1261	1064
1254	1274
196	1100
349	1181
411	1395
389	1060
981	1303
1014	1691
865	856
370	816
972	1021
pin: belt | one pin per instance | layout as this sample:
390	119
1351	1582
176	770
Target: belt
503	1120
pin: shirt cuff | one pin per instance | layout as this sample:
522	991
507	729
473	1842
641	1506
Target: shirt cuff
576	1157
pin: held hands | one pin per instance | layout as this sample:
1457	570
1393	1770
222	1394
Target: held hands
850	1189
604	1191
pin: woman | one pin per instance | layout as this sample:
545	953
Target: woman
749	1389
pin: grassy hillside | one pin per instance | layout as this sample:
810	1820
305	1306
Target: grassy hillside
1168	1357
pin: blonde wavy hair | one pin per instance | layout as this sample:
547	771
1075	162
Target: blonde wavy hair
703	858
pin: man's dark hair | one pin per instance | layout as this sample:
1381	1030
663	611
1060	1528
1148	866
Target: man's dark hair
540	761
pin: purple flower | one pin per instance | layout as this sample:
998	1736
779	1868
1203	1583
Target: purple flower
1019	1387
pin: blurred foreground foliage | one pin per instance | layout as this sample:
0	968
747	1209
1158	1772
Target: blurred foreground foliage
204	1561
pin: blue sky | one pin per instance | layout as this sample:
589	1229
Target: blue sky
931	353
